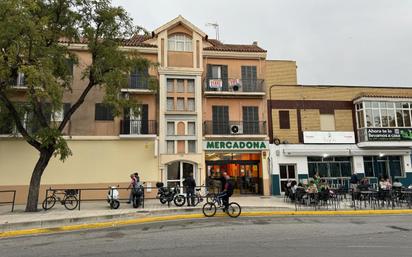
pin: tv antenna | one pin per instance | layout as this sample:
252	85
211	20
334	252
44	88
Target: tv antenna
216	27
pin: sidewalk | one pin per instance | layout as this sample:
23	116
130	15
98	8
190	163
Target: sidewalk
100	211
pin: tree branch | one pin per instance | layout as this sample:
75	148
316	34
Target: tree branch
33	142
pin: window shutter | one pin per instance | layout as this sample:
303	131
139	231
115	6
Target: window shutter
224	77
284	120
145	118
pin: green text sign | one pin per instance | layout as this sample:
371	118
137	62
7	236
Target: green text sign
235	145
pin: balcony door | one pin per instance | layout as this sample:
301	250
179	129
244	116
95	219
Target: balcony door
136	123
217	72
249	78
250	120
220	120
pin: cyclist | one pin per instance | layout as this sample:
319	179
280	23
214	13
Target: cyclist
227	192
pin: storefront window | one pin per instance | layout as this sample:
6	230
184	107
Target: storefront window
386	166
330	167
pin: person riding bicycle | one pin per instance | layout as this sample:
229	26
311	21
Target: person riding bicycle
227	192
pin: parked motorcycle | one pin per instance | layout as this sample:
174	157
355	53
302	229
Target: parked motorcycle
113	197
138	195
166	194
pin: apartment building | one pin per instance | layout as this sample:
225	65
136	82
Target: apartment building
207	116
338	131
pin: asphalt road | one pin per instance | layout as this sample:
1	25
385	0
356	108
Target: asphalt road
372	236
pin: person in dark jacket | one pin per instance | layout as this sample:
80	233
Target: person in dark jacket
190	185
227	192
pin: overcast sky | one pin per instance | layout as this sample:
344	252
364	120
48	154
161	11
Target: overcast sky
345	42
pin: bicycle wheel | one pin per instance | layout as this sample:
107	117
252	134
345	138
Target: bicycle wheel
233	210
70	202
209	209
48	203
180	200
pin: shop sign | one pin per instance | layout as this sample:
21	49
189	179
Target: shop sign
235	145
215	83
389	134
328	137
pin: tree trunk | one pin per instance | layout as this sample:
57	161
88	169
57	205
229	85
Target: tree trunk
33	197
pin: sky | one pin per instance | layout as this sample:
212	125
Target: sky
334	42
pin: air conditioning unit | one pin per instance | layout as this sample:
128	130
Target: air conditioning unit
236	129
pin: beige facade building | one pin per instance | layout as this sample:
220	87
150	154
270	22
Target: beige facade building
208	116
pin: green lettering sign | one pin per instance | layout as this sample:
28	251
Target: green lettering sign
235	145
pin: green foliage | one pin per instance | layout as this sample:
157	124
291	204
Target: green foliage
30	43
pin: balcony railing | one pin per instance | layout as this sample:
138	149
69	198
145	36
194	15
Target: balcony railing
139	82
138	127
234	128
234	85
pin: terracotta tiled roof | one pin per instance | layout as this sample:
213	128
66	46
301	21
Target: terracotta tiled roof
382	95
136	40
219	46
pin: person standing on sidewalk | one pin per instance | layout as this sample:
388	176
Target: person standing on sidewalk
190	185
132	186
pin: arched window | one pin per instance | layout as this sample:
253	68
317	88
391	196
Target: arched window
180	42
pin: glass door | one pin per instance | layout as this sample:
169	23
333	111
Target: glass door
287	173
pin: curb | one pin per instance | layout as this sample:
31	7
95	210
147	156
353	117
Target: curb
108	224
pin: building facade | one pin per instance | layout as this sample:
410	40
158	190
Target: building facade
338	131
208	115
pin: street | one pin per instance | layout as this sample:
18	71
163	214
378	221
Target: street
246	236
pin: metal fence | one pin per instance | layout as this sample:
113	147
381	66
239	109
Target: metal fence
12	202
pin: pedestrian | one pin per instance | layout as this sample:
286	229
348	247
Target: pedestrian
354	181
131	186
190	185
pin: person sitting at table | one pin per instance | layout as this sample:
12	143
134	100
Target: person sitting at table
364	185
385	183
312	189
323	185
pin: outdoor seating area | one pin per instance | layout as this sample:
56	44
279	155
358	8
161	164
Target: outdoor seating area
322	194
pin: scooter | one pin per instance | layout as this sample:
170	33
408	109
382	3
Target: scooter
113	197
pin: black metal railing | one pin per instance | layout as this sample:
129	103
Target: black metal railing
138	127
139	82
13	198
234	127
234	85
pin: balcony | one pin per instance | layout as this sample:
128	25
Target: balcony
234	87
139	84
138	127
234	128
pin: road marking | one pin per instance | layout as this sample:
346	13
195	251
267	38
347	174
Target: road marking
108	224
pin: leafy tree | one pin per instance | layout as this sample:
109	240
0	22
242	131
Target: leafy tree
31	33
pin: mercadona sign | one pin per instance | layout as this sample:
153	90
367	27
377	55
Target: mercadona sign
235	145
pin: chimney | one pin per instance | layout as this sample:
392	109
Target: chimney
255	43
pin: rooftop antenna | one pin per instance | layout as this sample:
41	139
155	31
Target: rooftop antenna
216	27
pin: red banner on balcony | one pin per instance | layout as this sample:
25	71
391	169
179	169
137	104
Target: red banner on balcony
215	83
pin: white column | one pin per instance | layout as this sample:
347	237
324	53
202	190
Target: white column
358	166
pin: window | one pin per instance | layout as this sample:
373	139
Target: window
287	173
385	166
330	167
69	65
250	120
249	78
383	114
191	104
191	128
216	72
190	86
103	112
284	120
59	115
170	85
170	104
180	86
220	120
170	146
327	122
139	78
180	42
170	128
191	146
180	103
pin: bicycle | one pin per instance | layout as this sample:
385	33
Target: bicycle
209	209
69	199
198	197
